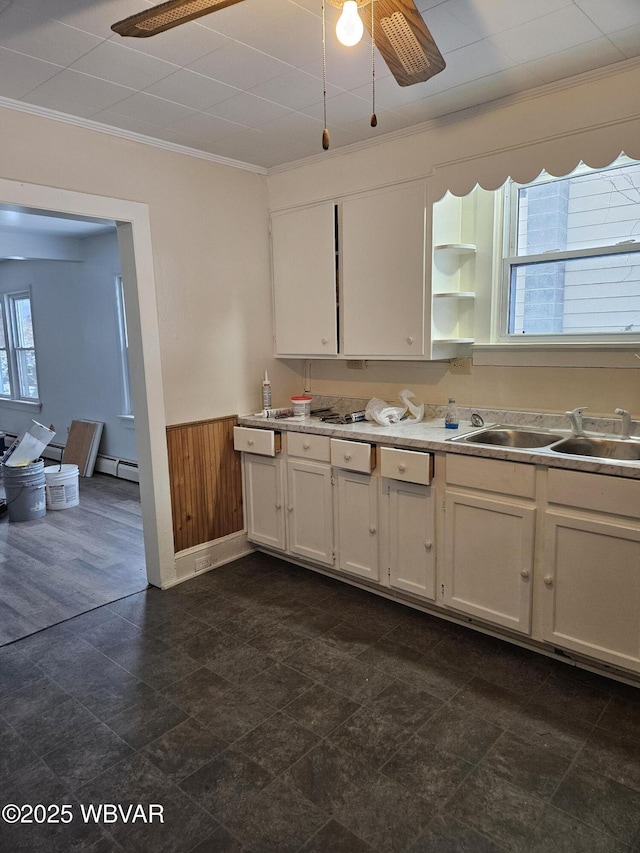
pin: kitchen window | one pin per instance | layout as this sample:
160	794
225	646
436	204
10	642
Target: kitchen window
571	269
18	376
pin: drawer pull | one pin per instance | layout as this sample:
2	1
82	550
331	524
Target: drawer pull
278	506
372	530
428	546
306	445
402	468
250	442
524	573
409	340
325	341
548	580
347	457
289	509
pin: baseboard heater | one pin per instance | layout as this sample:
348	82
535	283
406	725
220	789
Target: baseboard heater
125	469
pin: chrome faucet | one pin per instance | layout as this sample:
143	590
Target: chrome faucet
575	419
626	422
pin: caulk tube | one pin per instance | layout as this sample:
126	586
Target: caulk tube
266	392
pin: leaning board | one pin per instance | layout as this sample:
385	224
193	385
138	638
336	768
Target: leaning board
82	446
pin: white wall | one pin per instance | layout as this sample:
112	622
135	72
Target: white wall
77	345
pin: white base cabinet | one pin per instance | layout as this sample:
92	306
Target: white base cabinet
310	511
590	591
356	524
264	500
489	535
408	536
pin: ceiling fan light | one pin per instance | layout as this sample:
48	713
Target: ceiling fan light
349	28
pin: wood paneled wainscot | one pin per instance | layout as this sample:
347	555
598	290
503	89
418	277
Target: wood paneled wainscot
206	481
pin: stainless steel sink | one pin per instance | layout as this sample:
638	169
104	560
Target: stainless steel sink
605	448
507	436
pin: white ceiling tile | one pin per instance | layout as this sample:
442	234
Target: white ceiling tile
34	35
248	109
612	17
448	31
19	74
495	16
238	20
191	89
296	127
627	41
73	86
341	109
557	31
180	45
92	16
114	119
60	104
239	65
584	57
118	64
205	126
390	94
151	109
295	39
295	89
468	64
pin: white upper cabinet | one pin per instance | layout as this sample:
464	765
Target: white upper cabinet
304	281
382	267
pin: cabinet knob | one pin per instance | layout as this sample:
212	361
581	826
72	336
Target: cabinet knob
428	546
409	340
548	580
306	445
289	509
325	341
250	442
524	573
402	468
372	530
347	457
278	506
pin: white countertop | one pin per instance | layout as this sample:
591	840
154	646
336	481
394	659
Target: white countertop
432	435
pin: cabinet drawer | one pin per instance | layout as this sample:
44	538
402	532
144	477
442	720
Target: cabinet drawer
264	442
353	455
492	475
597	492
309	446
410	466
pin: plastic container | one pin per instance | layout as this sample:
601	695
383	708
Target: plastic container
451	417
301	406
24	487
61	482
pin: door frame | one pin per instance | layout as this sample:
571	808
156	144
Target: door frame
136	258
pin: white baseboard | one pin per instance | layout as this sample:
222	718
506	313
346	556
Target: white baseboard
210	555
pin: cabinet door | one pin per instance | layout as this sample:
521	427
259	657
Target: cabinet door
410	532
591	588
263	481
304	281
356	520
488	558
310	511
382	254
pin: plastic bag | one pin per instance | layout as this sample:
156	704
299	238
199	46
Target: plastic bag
382	413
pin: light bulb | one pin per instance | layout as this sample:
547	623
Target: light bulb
349	28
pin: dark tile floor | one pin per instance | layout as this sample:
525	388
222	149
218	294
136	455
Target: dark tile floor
270	709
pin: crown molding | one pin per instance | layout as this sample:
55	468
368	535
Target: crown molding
121	133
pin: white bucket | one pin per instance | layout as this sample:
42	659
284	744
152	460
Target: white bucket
61	486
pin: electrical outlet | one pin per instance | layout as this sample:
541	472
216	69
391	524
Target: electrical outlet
460	365
204	562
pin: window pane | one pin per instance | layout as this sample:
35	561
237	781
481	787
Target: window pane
5	387
24	327
3	341
596	295
587	211
27	374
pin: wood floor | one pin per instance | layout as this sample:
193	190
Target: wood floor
71	560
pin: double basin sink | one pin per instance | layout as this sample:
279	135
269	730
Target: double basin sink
523	438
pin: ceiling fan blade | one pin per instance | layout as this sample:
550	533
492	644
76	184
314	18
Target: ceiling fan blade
159	18
404	41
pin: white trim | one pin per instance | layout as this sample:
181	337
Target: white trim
221	551
604	355
134	238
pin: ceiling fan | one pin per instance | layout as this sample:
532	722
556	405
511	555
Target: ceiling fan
400	34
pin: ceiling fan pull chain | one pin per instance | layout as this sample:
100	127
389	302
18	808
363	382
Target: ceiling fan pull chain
374	117
325	132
